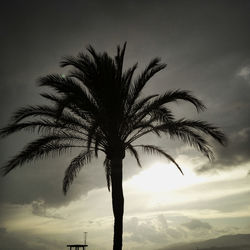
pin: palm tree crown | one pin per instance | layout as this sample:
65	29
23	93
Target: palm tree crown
98	106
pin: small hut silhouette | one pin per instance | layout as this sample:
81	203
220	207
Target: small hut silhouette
79	246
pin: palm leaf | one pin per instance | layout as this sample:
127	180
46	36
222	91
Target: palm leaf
42	126
28	111
153	67
175	95
72	107
107	166
37	149
75	166
71	89
204	127
134	153
156	150
119	59
187	135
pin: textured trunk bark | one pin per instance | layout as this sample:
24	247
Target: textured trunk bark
117	201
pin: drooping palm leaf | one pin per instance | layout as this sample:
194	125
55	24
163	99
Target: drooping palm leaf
156	150
134	153
107	166
38	149
75	166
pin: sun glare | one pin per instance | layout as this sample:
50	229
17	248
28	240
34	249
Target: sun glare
163	177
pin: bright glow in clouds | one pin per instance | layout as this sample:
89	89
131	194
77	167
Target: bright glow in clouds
164	177
163	185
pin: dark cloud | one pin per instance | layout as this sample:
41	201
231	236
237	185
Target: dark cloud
206	46
236	153
44	178
2	230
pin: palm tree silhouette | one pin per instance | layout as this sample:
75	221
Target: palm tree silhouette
99	107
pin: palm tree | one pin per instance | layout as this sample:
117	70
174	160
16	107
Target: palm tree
99	107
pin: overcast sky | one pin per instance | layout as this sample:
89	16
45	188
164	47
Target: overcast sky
206	45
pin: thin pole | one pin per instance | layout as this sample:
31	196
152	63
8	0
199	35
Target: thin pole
85	238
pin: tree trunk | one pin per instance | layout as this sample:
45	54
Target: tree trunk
117	201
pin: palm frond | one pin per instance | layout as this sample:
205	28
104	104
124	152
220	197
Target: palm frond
93	53
92	133
188	136
71	89
126	81
119	59
72	107
107	166
162	115
204	127
51	97
75	166
139	105
144	128
60	84
71	61
45	111
133	152
146	125
140	129
28	111
37	149
153	67
42	126
156	150
175	95
98	144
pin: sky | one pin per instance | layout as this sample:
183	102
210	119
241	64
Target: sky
206	45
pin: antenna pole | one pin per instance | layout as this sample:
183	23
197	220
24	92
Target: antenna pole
85	238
